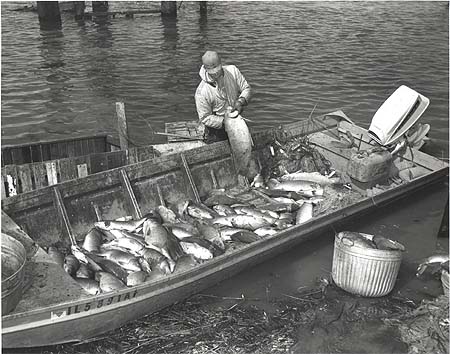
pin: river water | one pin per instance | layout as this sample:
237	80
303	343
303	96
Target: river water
299	57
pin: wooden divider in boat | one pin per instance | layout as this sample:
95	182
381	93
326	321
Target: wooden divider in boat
54	309
25	177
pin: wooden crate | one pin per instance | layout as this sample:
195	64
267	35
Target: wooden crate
17	179
191	129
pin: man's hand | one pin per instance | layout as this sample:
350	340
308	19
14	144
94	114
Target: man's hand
213	121
239	105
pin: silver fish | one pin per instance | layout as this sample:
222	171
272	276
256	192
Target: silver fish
156	236
136	278
434	259
197	251
245	236
257	214
248	222
384	243
90	285
240	141
179	231
271	213
199	211
356	239
118	234
130	225
145	265
167	215
305	213
129	243
111	267
71	264
226	232
109	282
223	210
210	233
156	260
309	189
85	272
93	240
124	259
314	177
265	231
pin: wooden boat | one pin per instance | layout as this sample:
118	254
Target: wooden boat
55	309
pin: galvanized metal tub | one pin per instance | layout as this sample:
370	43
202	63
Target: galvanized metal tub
364	271
14	257
445	281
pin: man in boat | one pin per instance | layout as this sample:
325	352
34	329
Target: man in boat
221	86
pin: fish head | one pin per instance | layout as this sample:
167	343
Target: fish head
134	265
103	225
145	265
166	267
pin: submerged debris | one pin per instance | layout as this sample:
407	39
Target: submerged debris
426	329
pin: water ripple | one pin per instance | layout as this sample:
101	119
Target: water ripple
296	55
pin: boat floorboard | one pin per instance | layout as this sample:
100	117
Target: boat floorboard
46	283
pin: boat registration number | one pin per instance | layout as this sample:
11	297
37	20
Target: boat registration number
114	299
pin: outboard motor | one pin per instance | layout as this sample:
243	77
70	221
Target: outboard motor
397	115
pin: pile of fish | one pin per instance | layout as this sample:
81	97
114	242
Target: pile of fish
358	239
125	252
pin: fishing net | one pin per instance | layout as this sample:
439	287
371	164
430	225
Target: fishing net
293	155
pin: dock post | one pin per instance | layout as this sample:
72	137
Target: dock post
122	125
49	15
443	228
169	8
100	6
203	8
79	7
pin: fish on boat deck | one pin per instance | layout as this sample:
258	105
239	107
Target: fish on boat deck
93	240
130	225
156	260
136	278
196	250
90	285
156	236
109	282
248	222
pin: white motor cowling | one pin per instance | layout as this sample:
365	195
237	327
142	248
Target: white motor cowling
397	115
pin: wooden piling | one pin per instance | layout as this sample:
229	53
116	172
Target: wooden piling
203	7
100	6
49	15
122	125
79	7
169	8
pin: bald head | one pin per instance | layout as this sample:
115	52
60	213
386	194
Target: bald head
210	58
212	63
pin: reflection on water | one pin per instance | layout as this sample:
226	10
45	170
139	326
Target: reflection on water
296	55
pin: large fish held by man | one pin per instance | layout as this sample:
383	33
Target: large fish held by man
240	141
